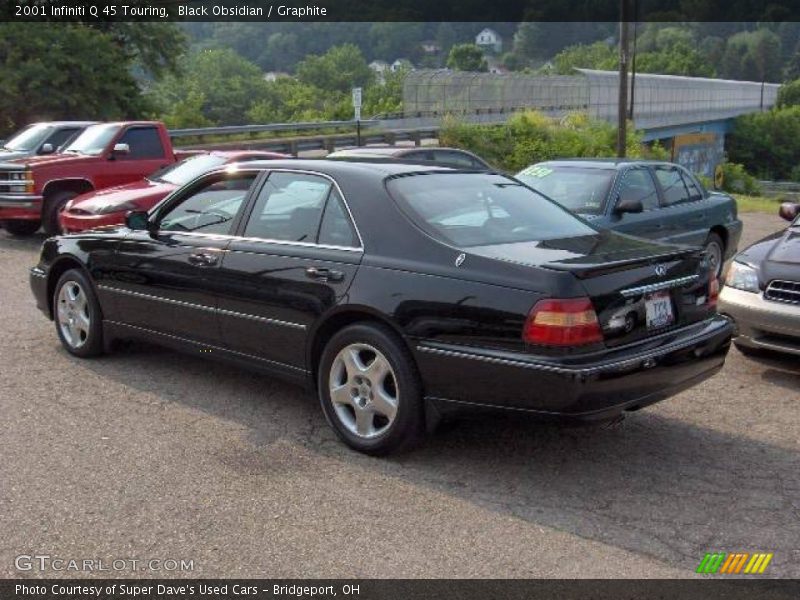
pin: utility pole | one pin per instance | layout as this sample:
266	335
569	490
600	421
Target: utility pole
633	58
622	108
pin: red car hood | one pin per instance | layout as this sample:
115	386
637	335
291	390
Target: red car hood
144	193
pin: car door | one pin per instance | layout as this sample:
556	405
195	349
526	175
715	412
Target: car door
294	258
146	154
684	215
637	183
165	280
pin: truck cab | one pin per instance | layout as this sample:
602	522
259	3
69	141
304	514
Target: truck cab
34	190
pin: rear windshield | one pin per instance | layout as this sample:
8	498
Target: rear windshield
581	190
481	209
189	169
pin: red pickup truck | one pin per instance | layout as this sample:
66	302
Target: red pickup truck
34	190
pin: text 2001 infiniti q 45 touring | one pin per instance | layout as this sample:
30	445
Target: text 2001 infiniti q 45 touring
399	292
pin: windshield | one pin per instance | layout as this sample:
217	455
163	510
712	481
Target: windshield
477	209
581	190
189	169
94	139
29	138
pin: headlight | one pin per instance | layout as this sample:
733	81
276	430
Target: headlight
742	277
112	208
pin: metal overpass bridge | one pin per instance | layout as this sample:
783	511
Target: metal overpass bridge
689	115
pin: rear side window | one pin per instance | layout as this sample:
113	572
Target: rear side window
480	209
695	193
289	208
144	142
336	229
457	159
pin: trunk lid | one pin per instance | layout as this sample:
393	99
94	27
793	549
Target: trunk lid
638	288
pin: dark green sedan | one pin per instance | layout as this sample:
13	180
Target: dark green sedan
655	200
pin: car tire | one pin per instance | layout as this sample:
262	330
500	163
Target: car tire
715	249
77	315
370	390
21	228
52	208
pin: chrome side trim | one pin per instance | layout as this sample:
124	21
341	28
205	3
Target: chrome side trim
661	285
220	311
201	344
578	371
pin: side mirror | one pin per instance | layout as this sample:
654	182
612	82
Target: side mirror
121	149
137	220
628	205
789	210
46	149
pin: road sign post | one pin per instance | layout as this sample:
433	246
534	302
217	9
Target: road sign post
357	113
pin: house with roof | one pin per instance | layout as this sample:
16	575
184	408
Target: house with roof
489	40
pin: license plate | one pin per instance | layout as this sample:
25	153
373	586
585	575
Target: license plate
659	310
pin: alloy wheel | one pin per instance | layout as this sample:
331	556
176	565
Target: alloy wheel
73	314
363	390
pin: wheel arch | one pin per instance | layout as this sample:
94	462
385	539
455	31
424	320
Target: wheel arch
60	266
79	185
722	232
337	320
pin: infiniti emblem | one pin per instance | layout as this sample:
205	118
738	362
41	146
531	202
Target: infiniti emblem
661	270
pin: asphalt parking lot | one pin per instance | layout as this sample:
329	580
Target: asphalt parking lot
150	454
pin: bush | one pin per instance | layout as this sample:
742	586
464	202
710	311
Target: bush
532	137
795	174
736	180
767	143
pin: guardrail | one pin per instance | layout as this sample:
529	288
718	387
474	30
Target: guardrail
271	127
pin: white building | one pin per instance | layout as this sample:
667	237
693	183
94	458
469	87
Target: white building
489	39
401	63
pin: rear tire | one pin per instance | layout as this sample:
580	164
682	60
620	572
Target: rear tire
370	391
715	249
21	228
77	315
53	207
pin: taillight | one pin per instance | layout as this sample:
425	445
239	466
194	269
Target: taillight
570	322
713	289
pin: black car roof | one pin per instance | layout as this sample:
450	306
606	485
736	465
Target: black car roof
341	167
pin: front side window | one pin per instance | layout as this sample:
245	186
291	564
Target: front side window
638	185
144	142
210	208
289	208
672	185
478	209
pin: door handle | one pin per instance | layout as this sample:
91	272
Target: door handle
203	259
322	274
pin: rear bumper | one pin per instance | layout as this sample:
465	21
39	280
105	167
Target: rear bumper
762	323
20	206
459	377
75	223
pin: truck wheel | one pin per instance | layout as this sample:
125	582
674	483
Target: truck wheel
21	228
53	206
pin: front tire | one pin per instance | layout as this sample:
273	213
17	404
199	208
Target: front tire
77	315
21	228
369	390
53	207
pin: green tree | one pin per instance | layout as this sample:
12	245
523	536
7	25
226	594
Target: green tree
227	83
768	143
281	52
789	94
752	56
466	57
340	69
63	71
594	56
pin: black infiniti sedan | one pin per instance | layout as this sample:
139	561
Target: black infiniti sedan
398	292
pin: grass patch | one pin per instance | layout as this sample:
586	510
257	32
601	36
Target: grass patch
757	204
